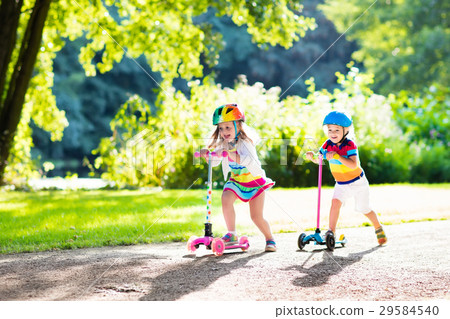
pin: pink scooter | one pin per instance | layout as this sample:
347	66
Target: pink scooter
217	245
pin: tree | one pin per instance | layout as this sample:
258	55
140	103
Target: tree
404	43
12	98
311	56
164	32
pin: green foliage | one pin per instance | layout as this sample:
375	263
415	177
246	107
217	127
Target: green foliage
312	56
424	116
431	163
424	120
404	42
288	128
40	105
166	35
175	120
77	94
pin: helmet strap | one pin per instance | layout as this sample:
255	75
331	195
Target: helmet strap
236	132
343	137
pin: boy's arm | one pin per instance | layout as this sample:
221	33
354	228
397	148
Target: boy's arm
311	156
350	162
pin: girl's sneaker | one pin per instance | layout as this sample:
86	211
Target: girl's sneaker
230	239
381	236
271	246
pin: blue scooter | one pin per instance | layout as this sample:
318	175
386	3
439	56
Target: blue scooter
319	239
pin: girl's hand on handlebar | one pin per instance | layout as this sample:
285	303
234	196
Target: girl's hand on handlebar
204	153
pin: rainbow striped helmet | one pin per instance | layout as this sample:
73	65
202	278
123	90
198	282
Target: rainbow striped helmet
228	113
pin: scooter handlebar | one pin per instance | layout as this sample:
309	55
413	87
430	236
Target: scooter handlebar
213	154
316	156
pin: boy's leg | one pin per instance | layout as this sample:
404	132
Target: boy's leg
381	236
228	199
336	205
256	213
373	219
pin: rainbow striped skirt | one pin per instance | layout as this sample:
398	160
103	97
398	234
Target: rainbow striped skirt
244	184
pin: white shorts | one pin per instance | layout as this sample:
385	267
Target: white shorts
359	190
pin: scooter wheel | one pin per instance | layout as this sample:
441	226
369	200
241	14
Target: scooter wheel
190	244
217	246
342	240
243	241
330	241
301	243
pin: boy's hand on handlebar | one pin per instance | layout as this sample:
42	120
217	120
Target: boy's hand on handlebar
310	155
332	155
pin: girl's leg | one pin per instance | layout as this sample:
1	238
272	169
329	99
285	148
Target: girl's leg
256	213
228	199
336	205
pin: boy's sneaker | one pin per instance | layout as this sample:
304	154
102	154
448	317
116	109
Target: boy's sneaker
381	236
329	232
271	246
230	239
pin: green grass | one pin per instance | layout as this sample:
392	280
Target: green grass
50	220
66	220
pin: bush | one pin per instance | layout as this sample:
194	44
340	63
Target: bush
157	149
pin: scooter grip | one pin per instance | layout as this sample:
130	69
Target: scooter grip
315	156
221	154
213	154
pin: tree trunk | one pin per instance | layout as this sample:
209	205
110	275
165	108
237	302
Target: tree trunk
9	21
11	105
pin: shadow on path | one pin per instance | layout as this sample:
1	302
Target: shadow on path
319	274
64	275
195	276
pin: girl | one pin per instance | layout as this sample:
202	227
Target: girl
248	180
342	155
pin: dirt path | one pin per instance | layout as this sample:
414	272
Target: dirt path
415	265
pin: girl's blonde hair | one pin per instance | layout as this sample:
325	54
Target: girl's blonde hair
218	141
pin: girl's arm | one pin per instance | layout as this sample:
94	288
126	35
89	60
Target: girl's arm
215	161
247	155
235	157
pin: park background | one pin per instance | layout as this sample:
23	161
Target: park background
124	91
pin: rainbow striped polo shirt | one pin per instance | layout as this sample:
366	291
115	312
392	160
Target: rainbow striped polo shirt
341	173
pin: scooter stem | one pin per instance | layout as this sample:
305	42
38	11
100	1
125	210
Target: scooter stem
319	182
209	194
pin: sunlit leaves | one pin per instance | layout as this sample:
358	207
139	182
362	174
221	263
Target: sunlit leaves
164	32
403	43
183	125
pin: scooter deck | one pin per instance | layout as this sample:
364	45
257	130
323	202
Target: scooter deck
319	239
195	242
235	246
